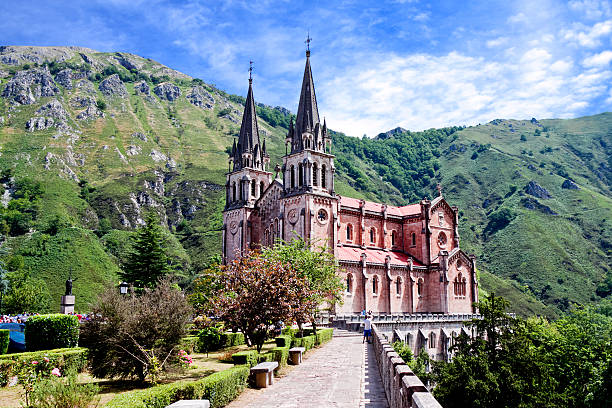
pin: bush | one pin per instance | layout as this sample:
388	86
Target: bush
219	388
283	340
4	341
248	357
209	339
232	339
63	393
126	331
324	335
280	355
189	344
67	359
51	331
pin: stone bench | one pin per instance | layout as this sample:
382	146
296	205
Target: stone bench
295	355
264	373
190	404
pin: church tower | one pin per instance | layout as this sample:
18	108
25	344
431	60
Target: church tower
247	180
309	201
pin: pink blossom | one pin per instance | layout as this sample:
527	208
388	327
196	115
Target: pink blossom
56	372
47	359
34	362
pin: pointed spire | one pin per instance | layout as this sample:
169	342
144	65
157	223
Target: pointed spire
248	141
308	111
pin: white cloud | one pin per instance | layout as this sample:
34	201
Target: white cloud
592	9
598	60
421	91
588	36
496	42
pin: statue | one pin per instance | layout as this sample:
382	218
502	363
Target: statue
69	284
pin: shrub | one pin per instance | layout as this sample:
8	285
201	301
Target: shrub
4	341
51	331
128	333
324	335
283	340
248	357
189	343
232	339
219	388
65	392
68	359
281	354
209	339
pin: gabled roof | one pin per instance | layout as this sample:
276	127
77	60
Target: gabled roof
346	253
411	209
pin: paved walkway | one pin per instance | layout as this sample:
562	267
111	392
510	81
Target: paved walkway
342	374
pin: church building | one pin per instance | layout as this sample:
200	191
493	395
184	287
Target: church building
392	259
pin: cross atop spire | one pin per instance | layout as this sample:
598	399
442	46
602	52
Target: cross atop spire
307	42
439	187
250	71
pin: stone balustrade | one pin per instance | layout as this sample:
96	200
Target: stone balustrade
402	387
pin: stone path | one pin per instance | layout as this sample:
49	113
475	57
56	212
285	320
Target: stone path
342	374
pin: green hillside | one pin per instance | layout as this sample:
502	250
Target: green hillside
90	141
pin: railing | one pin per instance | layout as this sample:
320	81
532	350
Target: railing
402	387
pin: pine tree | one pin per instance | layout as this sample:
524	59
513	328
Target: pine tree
147	262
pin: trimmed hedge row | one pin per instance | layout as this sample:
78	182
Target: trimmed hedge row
66	359
189	343
51	331
4	340
284	340
229	339
219	388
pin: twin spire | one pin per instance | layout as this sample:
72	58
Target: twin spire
308	132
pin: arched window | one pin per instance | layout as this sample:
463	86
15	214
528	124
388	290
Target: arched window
323	176
234	191
262	187
463	287
300	174
292	177
349	232
393	238
413	239
420	287
442	239
349	283
372	235
432	340
398	286
375	285
315	175
253	188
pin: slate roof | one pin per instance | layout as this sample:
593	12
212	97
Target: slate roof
346	253
248	141
411	209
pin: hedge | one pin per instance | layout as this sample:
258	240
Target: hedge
66	359
51	331
4	340
324	335
219	388
189	343
232	339
249	358
283	340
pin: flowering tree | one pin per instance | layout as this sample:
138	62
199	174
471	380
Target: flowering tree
257	292
316	264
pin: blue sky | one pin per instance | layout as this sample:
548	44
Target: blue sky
376	64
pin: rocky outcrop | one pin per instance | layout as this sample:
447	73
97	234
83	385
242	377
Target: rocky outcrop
86	86
140	136
142	88
129	62
570	185
64	78
158	156
201	97
82	102
536	190
51	114
92	112
533	204
113	86
167	91
133	150
26	87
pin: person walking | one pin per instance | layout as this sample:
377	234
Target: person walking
367	329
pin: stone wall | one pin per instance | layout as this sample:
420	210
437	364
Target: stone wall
402	387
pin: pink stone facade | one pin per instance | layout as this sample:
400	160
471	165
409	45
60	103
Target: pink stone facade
392	259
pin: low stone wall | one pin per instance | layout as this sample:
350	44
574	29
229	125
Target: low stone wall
402	387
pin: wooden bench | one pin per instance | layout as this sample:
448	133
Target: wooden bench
295	355
264	373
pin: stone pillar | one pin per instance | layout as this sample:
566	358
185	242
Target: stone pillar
67	305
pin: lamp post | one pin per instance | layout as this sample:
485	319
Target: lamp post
123	288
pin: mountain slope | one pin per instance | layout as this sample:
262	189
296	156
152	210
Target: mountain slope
111	135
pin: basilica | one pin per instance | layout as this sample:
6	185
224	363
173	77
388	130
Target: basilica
392	259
